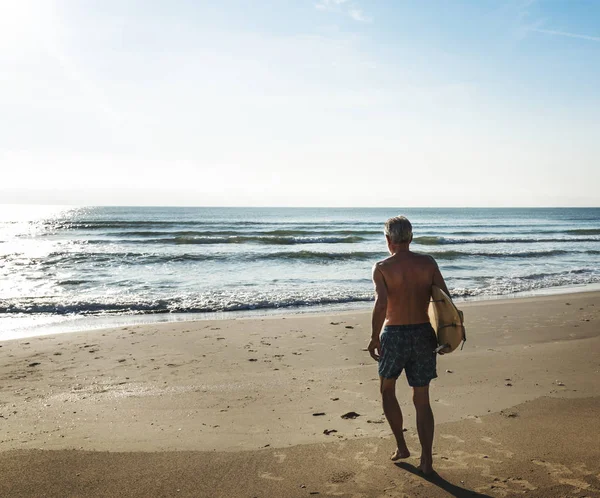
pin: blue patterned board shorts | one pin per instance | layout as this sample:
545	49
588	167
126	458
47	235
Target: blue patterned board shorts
410	347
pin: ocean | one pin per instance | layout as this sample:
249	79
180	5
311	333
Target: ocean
60	265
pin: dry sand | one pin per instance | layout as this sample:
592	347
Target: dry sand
226	408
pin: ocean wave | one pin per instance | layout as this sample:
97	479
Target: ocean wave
435	241
124	224
483	279
523	230
58	259
317	256
161	224
498	286
248	239
73	282
561	274
306	256
236	233
130	258
234	239
524	254
199	304
288	297
584	231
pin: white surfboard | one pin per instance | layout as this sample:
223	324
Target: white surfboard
447	321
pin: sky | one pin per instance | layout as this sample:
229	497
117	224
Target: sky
300	102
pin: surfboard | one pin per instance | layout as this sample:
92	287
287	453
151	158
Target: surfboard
447	321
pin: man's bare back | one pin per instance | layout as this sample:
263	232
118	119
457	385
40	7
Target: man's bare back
408	278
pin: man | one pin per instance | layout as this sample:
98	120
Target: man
402	294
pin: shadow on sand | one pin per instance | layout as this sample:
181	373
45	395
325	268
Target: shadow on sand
441	483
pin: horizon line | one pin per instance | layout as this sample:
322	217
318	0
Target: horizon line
290	207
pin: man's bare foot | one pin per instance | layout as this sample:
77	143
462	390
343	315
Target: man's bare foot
426	466
400	453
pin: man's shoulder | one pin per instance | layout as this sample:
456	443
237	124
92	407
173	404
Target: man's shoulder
383	263
383	266
424	258
414	260
391	260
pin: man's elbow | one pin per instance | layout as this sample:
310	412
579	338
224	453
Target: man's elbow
381	304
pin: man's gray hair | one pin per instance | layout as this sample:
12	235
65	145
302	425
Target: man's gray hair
398	229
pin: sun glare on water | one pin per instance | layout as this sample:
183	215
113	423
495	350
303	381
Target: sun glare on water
28	213
20	225
19	21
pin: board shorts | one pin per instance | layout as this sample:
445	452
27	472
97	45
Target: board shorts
409	347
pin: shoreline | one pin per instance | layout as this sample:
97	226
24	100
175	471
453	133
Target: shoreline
79	323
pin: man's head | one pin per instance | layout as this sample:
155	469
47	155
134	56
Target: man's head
398	230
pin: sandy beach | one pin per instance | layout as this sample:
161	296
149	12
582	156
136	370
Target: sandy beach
253	407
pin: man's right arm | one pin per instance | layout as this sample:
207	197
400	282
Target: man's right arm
379	312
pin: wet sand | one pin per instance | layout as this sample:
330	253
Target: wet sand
227	408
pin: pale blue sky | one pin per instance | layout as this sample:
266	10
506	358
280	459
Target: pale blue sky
323	102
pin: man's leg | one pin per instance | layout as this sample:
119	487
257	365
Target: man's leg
424	427
392	411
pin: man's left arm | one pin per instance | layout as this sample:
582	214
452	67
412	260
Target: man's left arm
379	312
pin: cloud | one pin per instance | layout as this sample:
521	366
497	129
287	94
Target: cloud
339	6
333	3
564	33
358	15
330	4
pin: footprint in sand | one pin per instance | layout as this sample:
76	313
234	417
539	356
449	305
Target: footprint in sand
504	486
341	477
372	447
457	460
476	418
582	469
489	440
559	473
280	456
453	437
564	475
554	468
333	456
522	482
269	476
506	453
365	462
333	490
579	484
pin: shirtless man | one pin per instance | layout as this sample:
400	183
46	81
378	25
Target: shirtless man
402	294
